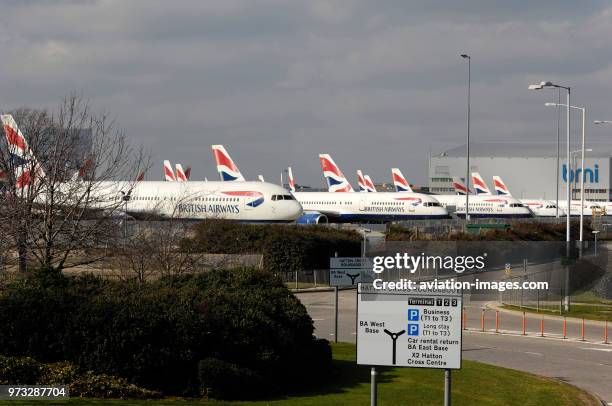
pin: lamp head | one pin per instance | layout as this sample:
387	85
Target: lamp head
465	56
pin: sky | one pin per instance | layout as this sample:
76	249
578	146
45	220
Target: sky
376	84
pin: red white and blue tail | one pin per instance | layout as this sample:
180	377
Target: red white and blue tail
369	184
459	186
24	162
500	186
361	181
168	172
480	186
180	173
260	178
336	181
291	180
399	181
228	170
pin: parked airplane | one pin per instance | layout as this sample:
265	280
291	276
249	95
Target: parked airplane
168	172
356	207
291	181
336	181
479	184
539	207
483	205
399	181
225	166
369	183
361	182
241	201
180	174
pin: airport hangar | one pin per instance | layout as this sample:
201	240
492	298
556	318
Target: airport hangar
527	169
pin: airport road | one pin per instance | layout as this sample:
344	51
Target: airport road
586	364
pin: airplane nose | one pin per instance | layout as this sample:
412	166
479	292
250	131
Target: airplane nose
295	210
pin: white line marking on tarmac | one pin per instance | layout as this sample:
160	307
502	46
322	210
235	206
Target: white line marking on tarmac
318	319
597	349
533	353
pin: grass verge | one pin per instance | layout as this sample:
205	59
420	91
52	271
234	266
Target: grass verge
474	384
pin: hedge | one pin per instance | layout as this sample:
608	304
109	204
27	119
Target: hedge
156	334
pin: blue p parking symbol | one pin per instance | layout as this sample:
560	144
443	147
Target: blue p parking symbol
413	329
413	314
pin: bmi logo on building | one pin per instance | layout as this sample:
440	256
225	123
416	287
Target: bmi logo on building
591	175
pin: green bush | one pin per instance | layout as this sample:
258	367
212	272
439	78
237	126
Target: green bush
155	334
220	379
20	370
285	248
91	385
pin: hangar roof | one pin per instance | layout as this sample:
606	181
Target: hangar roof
520	150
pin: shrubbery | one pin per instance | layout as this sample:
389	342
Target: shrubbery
28	371
155	335
285	248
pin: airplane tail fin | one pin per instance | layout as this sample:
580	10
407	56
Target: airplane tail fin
27	168
291	180
459	186
361	181
399	181
228	170
188	172
369	184
500	186
261	178
168	172
180	173
479	184
336	181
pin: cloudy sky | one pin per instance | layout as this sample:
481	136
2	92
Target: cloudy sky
374	83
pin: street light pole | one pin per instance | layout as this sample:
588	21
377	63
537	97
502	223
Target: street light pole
467	170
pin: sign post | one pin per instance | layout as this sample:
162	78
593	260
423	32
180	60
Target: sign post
347	271
409	328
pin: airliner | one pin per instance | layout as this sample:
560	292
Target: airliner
365	182
399	181
483	205
241	201
320	207
539	207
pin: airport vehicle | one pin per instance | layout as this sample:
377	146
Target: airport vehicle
399	181
240	201
539	207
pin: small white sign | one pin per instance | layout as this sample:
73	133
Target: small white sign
419	330
349	271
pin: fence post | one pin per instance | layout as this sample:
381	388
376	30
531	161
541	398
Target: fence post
296	279
606	333
582	330
524	323
464	319
314	274
542	327
497	321
564	327
482	321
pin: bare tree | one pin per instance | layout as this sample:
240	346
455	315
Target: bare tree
61	197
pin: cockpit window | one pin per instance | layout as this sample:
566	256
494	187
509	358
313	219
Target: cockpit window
282	197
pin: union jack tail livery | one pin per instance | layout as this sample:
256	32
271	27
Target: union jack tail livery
168	173
261	178
26	166
291	180
180	174
361	181
500	186
399	181
228	171
369	184
459	186
336	181
188	172
479	184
